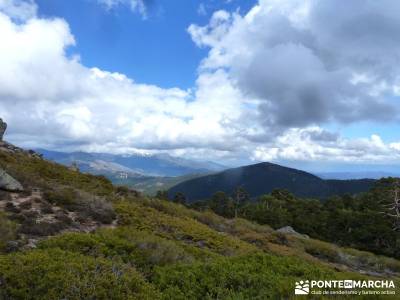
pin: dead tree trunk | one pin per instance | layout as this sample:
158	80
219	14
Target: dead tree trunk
392	209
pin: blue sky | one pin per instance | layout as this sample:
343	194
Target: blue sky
156	50
300	82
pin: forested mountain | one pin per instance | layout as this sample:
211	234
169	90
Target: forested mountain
263	178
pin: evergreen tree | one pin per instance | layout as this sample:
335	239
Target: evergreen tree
240	196
180	198
162	195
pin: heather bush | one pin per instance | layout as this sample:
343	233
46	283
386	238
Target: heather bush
7	231
56	274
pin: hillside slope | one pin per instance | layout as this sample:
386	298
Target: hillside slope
263	178
144	248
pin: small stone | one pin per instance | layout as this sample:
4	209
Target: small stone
31	244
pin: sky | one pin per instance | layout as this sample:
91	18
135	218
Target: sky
307	83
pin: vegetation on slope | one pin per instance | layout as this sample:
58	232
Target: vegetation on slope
32	171
355	221
162	250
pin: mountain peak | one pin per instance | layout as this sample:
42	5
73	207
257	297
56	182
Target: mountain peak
263	178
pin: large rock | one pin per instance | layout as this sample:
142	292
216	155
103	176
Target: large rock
8	183
3	127
290	230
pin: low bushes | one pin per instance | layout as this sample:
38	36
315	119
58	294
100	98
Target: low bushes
86	205
56	274
32	227
61	197
7	231
259	276
141	249
183	229
98	209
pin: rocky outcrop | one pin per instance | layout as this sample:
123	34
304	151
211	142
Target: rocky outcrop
8	183
7	147
290	230
3	127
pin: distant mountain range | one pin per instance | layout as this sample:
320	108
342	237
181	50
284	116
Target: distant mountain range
263	178
132	165
357	175
199	180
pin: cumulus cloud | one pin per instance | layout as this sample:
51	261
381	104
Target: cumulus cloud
269	78
51	99
316	144
309	62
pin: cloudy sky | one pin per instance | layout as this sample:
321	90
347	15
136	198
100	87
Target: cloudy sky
310	83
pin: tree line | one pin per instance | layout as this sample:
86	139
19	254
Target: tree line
367	221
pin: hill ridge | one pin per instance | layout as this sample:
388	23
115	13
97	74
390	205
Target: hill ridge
262	178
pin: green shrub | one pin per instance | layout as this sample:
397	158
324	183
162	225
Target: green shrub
7	231
323	251
142	249
56	274
62	197
98	209
245	277
43	228
85	204
186	230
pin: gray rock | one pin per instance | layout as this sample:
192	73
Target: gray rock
8	183
32	244
12	246
3	127
290	230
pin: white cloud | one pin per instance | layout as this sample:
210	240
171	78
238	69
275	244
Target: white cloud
301	58
301	145
19	10
52	100
31	55
135	5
